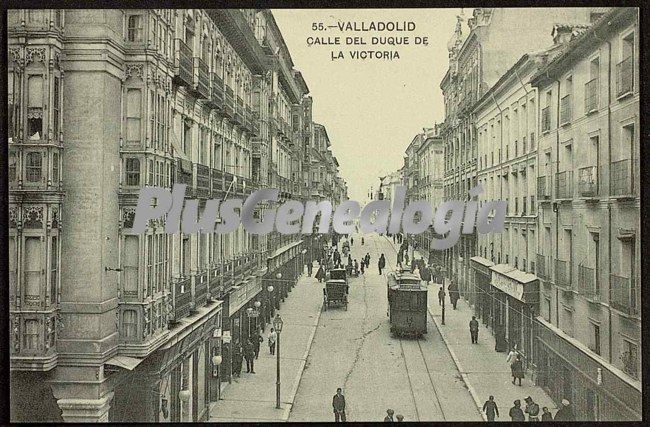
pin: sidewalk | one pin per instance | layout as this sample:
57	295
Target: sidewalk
484	370
251	398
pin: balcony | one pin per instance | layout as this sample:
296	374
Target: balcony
564	185
588	181
202	181
217	98
624	77
200	290
587	283
546	119
248	118
563	273
542	267
183	66
182	298
624	295
543	188
591	96
624	179
229	104
217	181
185	175
239	112
565	110
33	341
255	123
201	78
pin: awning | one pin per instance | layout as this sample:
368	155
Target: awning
124	362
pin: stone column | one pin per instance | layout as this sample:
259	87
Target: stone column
86	410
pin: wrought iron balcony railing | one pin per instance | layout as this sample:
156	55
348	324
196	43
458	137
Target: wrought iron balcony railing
229	104
183	62
587	282
624	176
217	91
624	295
542	267
588	181
563	273
202	181
202	78
182	299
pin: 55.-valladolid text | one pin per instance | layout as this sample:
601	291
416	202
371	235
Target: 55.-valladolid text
293	217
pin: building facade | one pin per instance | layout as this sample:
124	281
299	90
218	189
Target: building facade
588	256
476	62
101	104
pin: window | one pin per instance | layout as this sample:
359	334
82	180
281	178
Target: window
205	50
547	304
33	265
35	107
55	169
595	338
34	166
13	164
150	262
134	28
630	358
187	138
567	326
130	261
56	106
150	170
132	172
54	269
185	265
133	115
129	323
30	337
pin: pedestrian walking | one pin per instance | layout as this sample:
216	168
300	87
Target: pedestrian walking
249	355
517	370
367	259
512	355
546	414
310	268
441	295
516	414
338	404
320	274
389	415
425	274
351	241
363	266
257	340
399	417
237	360
273	336
490	408
473	330
362	241
381	263
406	258
565	413
532	409
400	258
356	267
454	295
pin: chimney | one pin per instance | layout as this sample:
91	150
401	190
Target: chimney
561	33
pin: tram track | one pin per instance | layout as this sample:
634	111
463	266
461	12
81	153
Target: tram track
422	358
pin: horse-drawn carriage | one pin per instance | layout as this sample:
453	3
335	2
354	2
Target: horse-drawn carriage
336	288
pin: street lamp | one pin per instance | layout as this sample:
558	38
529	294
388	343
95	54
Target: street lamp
277	325
282	285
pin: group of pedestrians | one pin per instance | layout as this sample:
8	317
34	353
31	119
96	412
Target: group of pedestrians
248	352
531	409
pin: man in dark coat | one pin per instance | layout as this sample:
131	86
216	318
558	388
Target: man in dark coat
565	413
249	355
454	295
320	274
425	274
310	267
389	416
473	330
367	259
441	295
517	370
257	339
490	408
381	263
516	414
338	403
532	409
546	414
237	360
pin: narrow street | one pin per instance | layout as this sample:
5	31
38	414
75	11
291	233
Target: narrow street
354	350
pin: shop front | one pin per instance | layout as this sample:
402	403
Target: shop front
482	276
175	383
597	390
242	299
514	297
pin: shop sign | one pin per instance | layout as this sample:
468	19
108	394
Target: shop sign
508	285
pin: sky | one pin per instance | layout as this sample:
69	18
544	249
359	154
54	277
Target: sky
372	108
